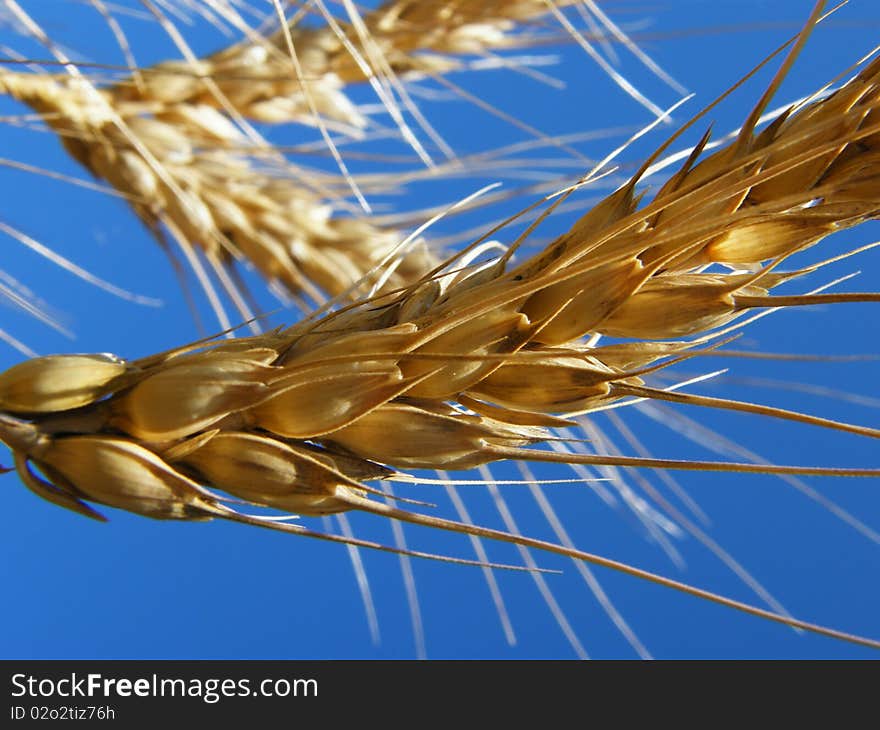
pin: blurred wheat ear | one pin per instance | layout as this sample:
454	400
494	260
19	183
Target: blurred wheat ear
177	141
414	361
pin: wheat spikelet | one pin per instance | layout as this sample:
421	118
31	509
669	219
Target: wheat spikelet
467	368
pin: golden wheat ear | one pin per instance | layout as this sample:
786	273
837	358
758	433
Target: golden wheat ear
467	366
177	140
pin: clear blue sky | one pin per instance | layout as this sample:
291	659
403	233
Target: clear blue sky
135	588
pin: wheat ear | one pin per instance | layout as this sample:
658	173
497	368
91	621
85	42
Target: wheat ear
174	139
468	367
397	39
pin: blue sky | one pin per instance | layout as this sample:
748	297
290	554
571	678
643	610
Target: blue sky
135	588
